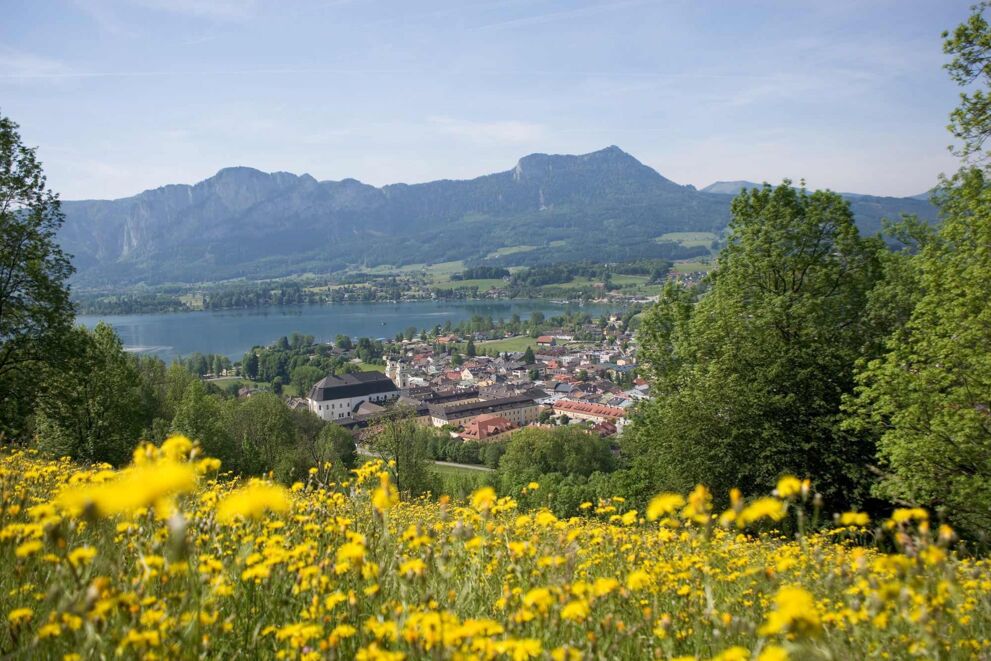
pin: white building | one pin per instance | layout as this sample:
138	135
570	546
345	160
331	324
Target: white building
337	398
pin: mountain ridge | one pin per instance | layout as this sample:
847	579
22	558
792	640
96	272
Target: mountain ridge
246	223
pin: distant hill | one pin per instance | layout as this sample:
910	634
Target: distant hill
242	222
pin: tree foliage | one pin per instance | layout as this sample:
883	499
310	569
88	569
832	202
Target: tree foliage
35	313
748	379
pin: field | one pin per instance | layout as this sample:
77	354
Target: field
689	239
369	367
167	560
691	267
510	344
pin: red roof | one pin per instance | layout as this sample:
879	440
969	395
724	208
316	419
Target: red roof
486	425
600	410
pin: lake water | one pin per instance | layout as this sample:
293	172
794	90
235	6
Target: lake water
233	332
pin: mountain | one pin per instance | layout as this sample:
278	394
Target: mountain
729	187
242	222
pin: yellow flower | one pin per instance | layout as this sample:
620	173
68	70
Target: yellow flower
483	499
856	519
699	505
539	598
773	653
82	556
576	611
19	616
637	580
736	653
770	508
253	501
414	567
385	496
27	548
789	486
533	486
138	487
794	612
664	505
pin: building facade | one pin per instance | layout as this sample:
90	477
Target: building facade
337	398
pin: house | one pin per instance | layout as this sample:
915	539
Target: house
546	341
588	411
486	426
338	398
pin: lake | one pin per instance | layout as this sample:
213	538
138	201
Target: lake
233	332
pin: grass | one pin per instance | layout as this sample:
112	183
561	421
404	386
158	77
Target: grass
370	367
692	267
510	344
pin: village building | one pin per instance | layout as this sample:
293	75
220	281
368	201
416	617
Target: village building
487	426
338	398
521	410
596	413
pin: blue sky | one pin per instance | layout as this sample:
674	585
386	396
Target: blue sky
125	95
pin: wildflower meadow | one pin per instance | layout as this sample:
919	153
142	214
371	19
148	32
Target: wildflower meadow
168	559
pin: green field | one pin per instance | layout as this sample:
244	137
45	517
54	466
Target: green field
510	344
690	267
624	280
510	250
369	367
689	239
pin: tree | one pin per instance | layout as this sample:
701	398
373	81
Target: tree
35	312
749	380
203	417
533	453
929	396
404	443
528	356
262	431
250	365
970	46
91	407
470	348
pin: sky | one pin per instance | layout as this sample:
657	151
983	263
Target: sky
120	96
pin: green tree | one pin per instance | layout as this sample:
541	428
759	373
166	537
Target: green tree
929	396
35	312
470	348
91	408
528	356
532	453
748	380
406	444
262	432
203	417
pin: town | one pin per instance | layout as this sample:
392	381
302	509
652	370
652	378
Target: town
472	386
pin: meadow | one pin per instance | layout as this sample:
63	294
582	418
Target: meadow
169	559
